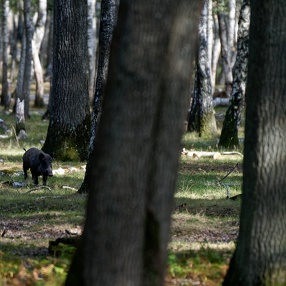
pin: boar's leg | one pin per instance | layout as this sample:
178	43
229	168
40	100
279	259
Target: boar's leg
25	169
35	180
45	180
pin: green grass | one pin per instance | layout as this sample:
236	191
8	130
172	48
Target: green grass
203	230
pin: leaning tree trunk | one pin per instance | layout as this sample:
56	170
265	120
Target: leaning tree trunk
109	10
260	255
5	96
36	44
202	118
69	126
229	133
134	173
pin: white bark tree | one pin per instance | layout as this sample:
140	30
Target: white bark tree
36	44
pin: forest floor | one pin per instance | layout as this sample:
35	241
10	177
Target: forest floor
204	222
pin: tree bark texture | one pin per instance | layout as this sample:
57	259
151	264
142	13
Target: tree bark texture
108	20
69	126
229	133
137	146
202	119
260	256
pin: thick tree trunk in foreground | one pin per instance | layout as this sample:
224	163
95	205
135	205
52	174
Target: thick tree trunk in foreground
229	133
108	19
69	127
260	256
136	152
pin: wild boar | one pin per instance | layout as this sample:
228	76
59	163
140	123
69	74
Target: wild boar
39	163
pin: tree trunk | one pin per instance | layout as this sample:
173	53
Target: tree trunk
226	61
260	256
6	96
28	56
229	133
69	126
36	44
202	118
109	10
24	75
136	156
92	44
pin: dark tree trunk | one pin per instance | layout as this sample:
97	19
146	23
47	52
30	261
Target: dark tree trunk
108	20
260	256
136	152
202	118
229	133
69	126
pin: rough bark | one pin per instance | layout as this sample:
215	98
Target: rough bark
260	256
136	157
202	119
108	19
36	44
5	96
69	126
229	133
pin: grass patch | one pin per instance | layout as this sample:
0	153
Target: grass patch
204	223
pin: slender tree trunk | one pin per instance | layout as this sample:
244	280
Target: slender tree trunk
69	126
134	174
229	133
6	96
202	118
215	52
24	76
231	31
28	61
109	10
210	39
226	62
92	43
36	44
260	256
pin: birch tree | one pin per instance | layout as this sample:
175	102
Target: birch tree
108	20
36	44
202	119
229	134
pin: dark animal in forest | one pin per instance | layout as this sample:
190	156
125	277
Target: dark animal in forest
39	163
